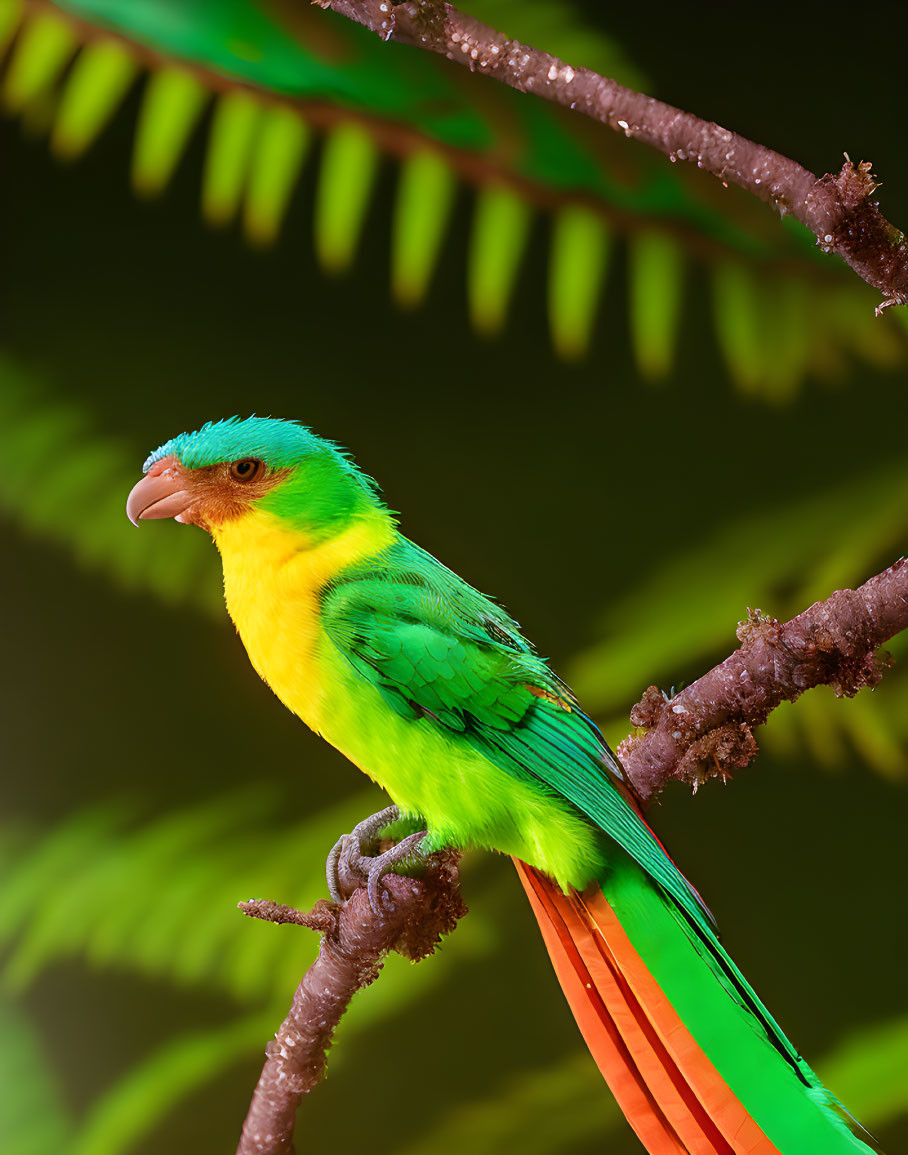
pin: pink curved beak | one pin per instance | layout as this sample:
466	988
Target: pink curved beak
162	492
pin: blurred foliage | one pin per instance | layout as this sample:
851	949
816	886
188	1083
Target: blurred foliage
54	450
151	783
550	1109
274	75
159	899
33	1116
668	627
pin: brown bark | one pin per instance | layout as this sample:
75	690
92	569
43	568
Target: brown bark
707	728
355	941
837	208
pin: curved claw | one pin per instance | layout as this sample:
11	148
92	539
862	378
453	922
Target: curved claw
346	856
331	869
386	862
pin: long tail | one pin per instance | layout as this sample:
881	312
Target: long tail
694	1060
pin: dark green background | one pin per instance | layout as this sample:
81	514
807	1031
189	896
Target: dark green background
552	487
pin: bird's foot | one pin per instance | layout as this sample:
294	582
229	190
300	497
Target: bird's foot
350	862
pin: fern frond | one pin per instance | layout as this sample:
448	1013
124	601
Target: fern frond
230	143
668	628
656	283
33	1116
867	1071
279	154
99	81
425	197
44	47
173	102
501	225
349	165
779	312
147	1093
160	899
62	466
580	246
535	1113
544	1112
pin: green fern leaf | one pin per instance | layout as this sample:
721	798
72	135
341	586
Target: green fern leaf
279	153
41	52
172	104
780	313
144	1096
581	242
348	169
672	626
547	1111
97	84
425	197
33	1116
60	463
501	223
227	164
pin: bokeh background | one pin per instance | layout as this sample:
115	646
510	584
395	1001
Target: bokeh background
627	510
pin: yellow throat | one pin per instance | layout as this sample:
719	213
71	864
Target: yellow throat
273	578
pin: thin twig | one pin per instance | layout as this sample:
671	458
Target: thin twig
414	914
706	729
836	207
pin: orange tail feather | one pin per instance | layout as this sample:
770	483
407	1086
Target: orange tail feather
670	1092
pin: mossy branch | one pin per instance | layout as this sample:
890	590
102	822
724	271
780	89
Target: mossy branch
706	730
837	208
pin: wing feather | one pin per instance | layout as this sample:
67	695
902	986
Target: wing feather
443	655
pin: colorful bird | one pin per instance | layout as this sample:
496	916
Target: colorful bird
430	688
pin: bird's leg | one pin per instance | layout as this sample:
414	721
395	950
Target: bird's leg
349	861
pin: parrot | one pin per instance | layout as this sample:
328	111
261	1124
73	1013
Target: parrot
431	689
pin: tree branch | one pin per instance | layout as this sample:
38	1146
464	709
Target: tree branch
706	729
414	914
836	208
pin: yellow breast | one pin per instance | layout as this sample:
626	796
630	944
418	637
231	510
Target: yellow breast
273	578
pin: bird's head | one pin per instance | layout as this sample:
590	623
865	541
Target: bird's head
230	469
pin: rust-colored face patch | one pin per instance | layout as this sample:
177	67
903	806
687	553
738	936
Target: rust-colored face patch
208	496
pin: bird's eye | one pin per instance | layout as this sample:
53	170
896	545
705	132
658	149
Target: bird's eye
245	469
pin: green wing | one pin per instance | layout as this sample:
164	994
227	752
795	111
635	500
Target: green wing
442	655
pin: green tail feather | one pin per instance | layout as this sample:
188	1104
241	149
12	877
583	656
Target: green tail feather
723	1013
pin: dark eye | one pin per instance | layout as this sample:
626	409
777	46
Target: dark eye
246	469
